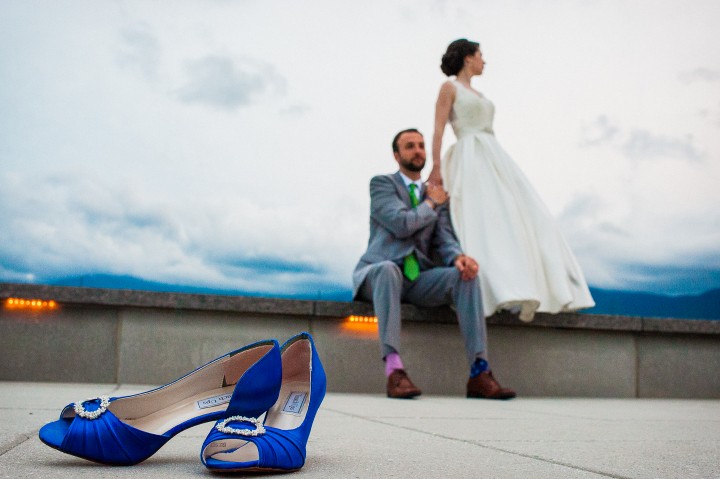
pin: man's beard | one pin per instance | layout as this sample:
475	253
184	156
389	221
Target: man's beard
410	166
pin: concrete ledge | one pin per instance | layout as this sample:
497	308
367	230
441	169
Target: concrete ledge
336	309
151	299
103	335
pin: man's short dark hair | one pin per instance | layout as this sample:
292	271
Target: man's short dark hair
397	137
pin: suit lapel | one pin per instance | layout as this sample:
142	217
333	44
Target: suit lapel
401	188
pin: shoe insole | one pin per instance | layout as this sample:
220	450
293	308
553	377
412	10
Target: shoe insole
165	419
204	391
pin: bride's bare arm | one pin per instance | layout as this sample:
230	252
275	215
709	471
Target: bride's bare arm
442	114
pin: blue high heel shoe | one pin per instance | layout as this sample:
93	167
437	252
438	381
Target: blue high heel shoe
245	444
127	430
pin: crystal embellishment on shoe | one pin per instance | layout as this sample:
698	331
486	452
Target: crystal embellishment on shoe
223	427
80	409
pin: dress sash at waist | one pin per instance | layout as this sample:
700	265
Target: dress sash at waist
473	131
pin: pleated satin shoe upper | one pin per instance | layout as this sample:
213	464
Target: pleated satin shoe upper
277	449
129	429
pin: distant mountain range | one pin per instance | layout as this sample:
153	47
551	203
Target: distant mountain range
612	302
326	292
627	303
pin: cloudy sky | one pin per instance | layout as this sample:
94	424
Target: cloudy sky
229	144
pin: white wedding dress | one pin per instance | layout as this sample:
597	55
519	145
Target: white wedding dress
525	262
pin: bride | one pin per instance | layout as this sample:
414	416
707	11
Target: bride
525	262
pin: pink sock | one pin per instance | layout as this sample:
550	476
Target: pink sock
392	362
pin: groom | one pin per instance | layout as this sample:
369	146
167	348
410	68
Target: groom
413	256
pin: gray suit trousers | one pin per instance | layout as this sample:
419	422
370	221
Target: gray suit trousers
386	286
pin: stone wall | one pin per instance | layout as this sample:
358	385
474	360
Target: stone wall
118	336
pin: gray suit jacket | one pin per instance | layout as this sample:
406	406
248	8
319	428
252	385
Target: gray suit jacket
397	229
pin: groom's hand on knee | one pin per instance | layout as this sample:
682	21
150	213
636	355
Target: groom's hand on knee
467	266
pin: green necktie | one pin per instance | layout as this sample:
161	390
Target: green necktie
411	267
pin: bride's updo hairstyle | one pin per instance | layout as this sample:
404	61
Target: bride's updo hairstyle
454	58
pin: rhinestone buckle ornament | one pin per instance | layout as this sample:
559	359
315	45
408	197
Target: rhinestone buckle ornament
224	428
80	410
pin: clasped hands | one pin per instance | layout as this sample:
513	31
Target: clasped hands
436	194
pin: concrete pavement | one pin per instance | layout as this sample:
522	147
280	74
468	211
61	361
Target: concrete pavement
370	436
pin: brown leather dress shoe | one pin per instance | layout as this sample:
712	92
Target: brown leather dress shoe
399	386
485	386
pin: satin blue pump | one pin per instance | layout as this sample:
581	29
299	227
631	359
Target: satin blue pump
127	430
277	444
